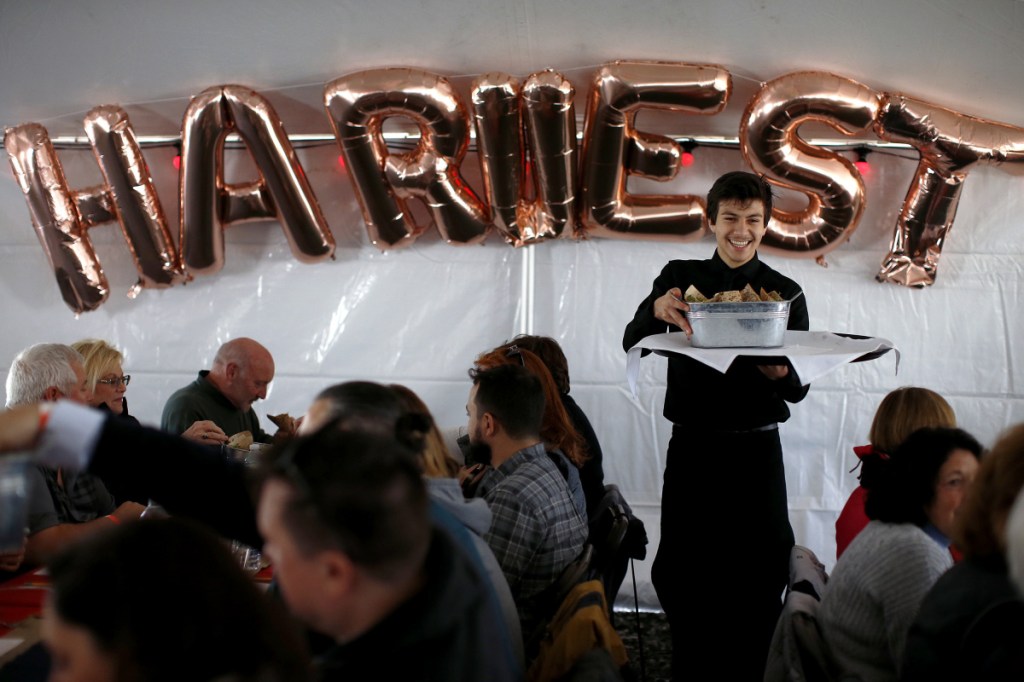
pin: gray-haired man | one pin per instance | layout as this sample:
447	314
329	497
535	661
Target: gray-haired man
63	506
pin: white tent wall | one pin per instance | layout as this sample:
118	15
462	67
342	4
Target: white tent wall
419	316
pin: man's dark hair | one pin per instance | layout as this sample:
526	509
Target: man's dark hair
144	590
363	406
906	486
550	353
359	492
513	396
739	186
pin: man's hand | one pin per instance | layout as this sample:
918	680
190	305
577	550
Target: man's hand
670	308
469	478
128	511
774	372
205	432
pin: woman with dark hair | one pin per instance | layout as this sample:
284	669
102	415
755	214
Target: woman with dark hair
971	623
550	353
164	600
877	586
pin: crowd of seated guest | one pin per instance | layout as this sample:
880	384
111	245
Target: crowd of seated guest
407	564
371	539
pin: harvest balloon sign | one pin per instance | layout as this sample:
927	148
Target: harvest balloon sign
540	183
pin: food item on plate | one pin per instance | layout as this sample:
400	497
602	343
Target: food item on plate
692	295
747	295
284	421
241	440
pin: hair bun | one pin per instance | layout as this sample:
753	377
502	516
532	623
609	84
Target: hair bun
411	430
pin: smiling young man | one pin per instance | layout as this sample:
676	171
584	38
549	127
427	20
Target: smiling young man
725	535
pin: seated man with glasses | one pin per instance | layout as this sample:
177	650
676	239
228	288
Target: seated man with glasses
63	505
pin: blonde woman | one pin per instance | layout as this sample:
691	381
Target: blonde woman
107	384
104	376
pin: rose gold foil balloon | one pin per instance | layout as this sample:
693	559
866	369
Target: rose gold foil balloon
771	144
281	193
614	149
134	198
550	128
357	105
950	144
55	217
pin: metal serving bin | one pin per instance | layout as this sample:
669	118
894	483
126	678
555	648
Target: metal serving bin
759	324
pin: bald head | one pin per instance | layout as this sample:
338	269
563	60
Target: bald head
242	370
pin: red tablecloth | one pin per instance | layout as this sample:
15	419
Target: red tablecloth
22	597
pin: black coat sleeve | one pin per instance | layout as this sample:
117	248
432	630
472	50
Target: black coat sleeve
185	478
644	322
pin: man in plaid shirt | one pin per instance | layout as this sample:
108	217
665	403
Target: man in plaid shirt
537	528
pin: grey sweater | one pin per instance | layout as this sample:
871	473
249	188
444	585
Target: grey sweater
874	594
475	515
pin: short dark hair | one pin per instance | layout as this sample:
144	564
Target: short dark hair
145	589
905	486
359	492
739	186
513	395
550	353
363	405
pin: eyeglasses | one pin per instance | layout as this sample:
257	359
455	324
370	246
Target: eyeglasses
116	381
513	351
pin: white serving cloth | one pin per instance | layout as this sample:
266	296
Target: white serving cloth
812	354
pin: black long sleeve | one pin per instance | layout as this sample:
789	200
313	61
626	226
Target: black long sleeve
185	478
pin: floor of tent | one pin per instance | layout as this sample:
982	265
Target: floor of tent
654	637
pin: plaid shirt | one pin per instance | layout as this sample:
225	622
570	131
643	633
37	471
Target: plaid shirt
536	530
83	497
